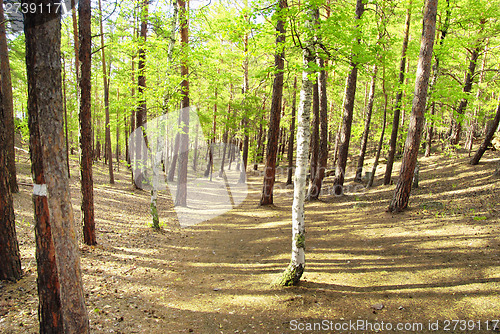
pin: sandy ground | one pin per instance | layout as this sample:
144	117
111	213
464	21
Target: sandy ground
437	262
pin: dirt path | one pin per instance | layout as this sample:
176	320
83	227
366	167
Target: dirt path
439	260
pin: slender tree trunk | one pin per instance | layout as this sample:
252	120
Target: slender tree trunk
87	183
430	131
10	260
62	305
472	120
348	106
117	151
259	145
107	130
244	121
430	125
141	113
381	140
132	116
181	195
195	155
75	39
65	115
173	164
275	114
397	104
364	138
456	123
294	271
314	144
489	136
417	118
292	133
317	180
225	135
8	104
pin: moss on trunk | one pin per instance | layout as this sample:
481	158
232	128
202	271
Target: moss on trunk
291	276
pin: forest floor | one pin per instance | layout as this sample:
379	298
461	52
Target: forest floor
437	261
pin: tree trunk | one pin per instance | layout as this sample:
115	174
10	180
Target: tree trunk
294	271
397	104
117	151
62	305
181	194
348	106
87	183
141	113
66	138
317	180
314	144
292	133
10	260
430	131
489	136
417	118
107	130
472	120
132	115
173	164
381	140
456	123
244	121
364	138
259	145
430	125
75	39
8	104
275	114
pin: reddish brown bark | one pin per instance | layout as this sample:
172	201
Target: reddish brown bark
489	136
181	194
314	149
87	182
10	260
417	118
430	124
456	125
292	133
141	77
107	130
317	180
348	106
381	140
397	104
62	304
366	131
275	114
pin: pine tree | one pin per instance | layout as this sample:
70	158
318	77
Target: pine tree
403	188
62	305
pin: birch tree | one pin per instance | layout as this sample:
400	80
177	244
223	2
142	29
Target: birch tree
293	273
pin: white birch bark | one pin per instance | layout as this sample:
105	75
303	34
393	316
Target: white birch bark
293	273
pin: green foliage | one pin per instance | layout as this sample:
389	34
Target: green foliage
217	52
